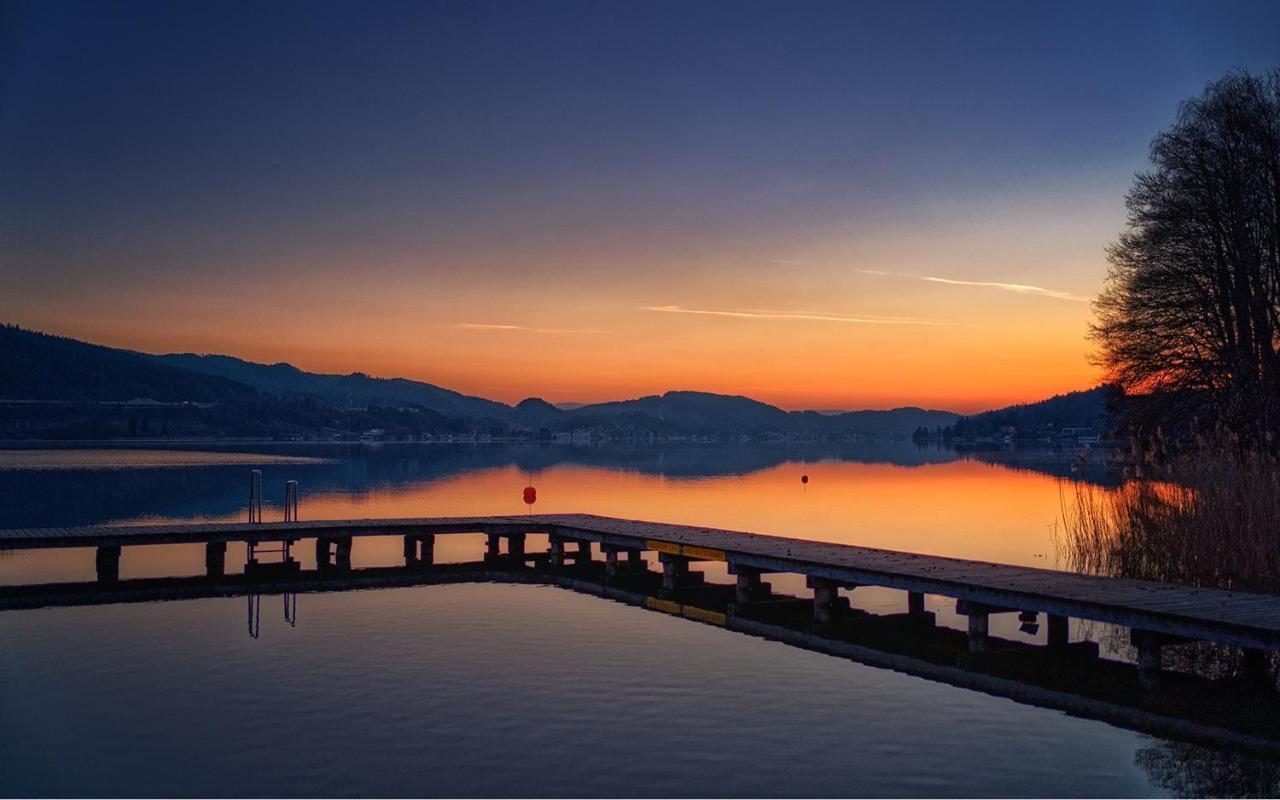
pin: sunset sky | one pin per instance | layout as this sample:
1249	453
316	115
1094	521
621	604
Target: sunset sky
844	205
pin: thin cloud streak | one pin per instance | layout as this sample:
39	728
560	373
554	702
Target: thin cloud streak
815	316
1017	288
487	326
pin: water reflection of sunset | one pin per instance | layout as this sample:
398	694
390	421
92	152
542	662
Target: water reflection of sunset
965	509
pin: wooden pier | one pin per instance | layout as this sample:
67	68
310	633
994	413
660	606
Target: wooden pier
1156	614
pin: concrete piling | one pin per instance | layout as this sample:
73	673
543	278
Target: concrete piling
676	573
515	547
1150	661
555	548
827	602
1059	632
215	559
108	563
749	586
342	557
979	626
915	604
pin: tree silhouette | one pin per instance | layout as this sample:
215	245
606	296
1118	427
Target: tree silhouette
1189	320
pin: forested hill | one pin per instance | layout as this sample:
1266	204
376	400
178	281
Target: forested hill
38	366
339	391
1085	409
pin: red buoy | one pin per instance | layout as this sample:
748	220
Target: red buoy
804	478
530	495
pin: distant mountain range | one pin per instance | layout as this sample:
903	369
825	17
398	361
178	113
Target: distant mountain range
339	391
58	370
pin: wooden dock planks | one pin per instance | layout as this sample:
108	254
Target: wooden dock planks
1238	618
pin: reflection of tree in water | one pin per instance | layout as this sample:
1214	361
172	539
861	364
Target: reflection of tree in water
1188	770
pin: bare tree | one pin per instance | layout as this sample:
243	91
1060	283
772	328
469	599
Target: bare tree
1189	320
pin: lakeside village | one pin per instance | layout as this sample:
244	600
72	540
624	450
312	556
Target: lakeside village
1039	435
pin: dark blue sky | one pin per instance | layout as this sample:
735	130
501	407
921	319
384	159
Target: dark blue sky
158	158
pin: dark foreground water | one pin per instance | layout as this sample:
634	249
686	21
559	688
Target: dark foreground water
490	689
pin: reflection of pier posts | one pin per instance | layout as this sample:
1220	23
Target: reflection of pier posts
108	563
215	559
749	585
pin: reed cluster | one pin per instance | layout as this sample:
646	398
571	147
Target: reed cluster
1205	515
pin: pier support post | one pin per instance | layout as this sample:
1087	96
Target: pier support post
749	586
676	572
555	547
108	563
343	556
979	626
515	547
827	602
410	549
614	565
324	553
1254	667
493	546
215	559
1059	632
583	554
1149	660
915	604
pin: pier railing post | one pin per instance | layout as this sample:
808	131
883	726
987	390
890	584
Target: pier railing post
290	501
255	495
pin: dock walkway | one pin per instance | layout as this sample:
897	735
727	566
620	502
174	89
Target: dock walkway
1157	613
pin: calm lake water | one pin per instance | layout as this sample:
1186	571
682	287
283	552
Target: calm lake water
489	689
